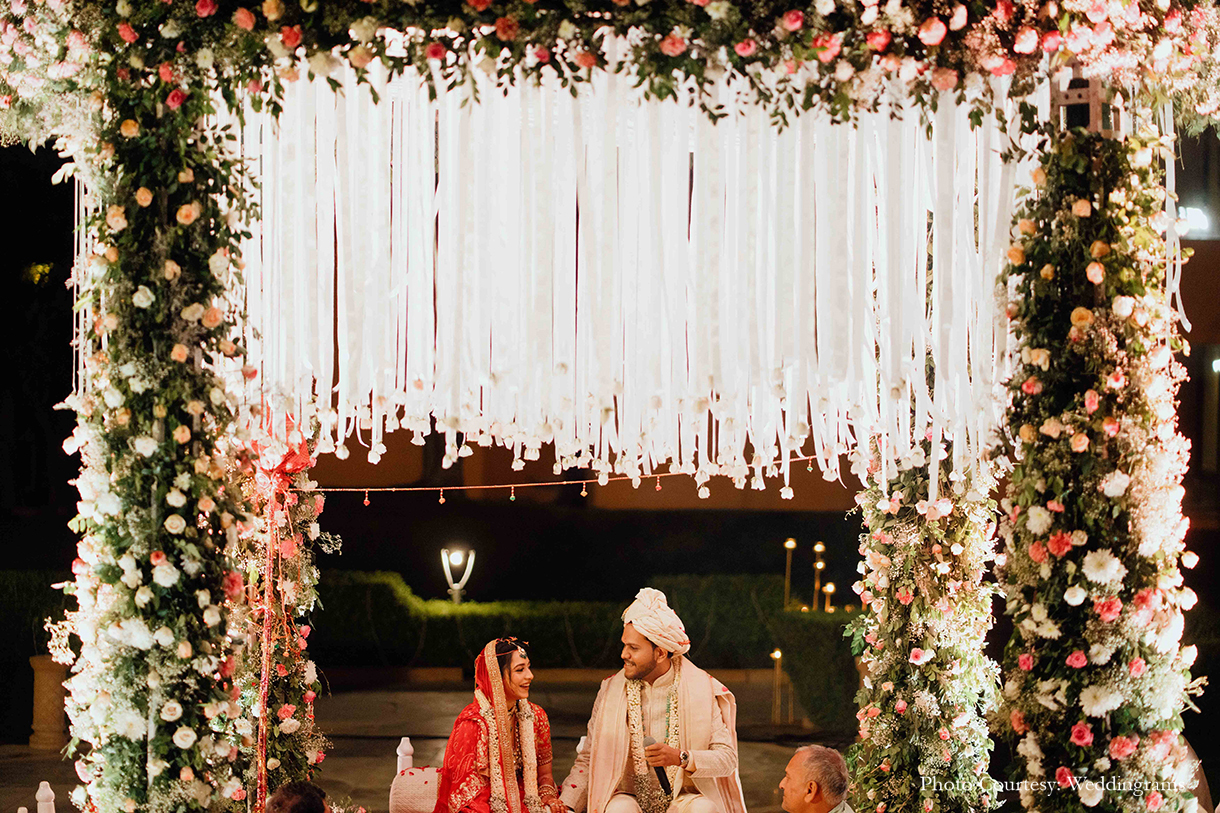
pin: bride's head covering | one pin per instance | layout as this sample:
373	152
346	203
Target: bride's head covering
651	615
489	692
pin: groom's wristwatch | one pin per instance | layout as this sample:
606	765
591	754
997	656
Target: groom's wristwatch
684	759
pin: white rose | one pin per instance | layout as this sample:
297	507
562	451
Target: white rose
218	263
175	524
718	9
323	63
1090	793
205	58
143	297
176	498
166	574
156	767
1115	484
276	46
825	7
185	737
1075	595
164	636
1122	306
171	30
203	597
192	312
290	725
567	30
171	711
272	764
146	446
184	650
123	8
211	616
364	29
143	596
311	672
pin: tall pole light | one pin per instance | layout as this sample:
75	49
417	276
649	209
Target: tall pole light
789	546
777	683
829	591
819	548
455	558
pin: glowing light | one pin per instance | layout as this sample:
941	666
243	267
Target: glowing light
819	565
1216	365
455	558
829	588
1196	219
776	655
790	544
819	548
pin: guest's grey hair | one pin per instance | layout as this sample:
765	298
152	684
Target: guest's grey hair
827	767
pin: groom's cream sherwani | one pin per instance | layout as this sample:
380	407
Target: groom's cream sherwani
707	715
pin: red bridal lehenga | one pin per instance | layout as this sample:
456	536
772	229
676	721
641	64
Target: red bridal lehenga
497	752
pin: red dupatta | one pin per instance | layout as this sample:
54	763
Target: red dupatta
480	757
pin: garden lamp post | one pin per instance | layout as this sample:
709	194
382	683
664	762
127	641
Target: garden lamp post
829	590
789	546
777	683
818	566
450	559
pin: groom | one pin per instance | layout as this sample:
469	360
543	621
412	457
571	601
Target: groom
661	696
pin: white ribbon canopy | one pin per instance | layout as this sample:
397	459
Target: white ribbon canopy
624	278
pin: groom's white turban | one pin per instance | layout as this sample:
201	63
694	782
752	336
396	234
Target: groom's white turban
651	616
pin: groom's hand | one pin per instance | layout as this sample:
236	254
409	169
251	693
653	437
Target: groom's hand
662	756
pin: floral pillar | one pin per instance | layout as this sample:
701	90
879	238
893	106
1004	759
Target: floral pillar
281	744
924	743
1095	677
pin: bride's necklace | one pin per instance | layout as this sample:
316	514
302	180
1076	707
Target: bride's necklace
650	799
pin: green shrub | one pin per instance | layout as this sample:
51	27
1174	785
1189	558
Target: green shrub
727	617
818	661
26	601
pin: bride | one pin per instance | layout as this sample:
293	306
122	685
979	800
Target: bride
498	759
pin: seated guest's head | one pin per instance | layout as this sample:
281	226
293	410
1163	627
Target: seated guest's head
298	797
815	780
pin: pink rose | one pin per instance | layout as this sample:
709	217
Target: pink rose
827	46
157	558
746	48
944	78
900	707
1116	380
959	18
239	795
166	71
1091	401
1123	747
794	20
904	596
673	45
1059	544
1095	272
1027	41
586	59
1031	385
878	40
1054	506
933	31
1051	41
1137	666
435	51
1017	720
1109	608
1002	67
227	667
243	18
175	98
1064	777
1077	660
290	35
1173	24
285	711
1110	426
921	656
1003	11
206	8
128	33
1037	552
1025	661
479	5
542	53
507	28
1154	800
943	733
1080	442
234	585
1082	735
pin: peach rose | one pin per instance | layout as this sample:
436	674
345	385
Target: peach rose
1016	253
1082	208
933	31
673	45
1081	317
171	271
946	79
1047	272
273	9
1099	249
1080	442
182	433
178	353
188	213
212	317
1095	272
130	128
243	18
186	176
143	197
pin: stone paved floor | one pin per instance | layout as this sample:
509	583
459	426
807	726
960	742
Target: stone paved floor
366	726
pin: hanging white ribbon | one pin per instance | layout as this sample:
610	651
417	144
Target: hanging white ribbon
625	279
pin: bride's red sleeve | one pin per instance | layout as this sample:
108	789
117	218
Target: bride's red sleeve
542	735
463	783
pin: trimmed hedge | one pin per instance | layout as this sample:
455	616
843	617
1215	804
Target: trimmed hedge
378	620
818	660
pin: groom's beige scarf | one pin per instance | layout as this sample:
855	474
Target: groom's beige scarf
611	739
